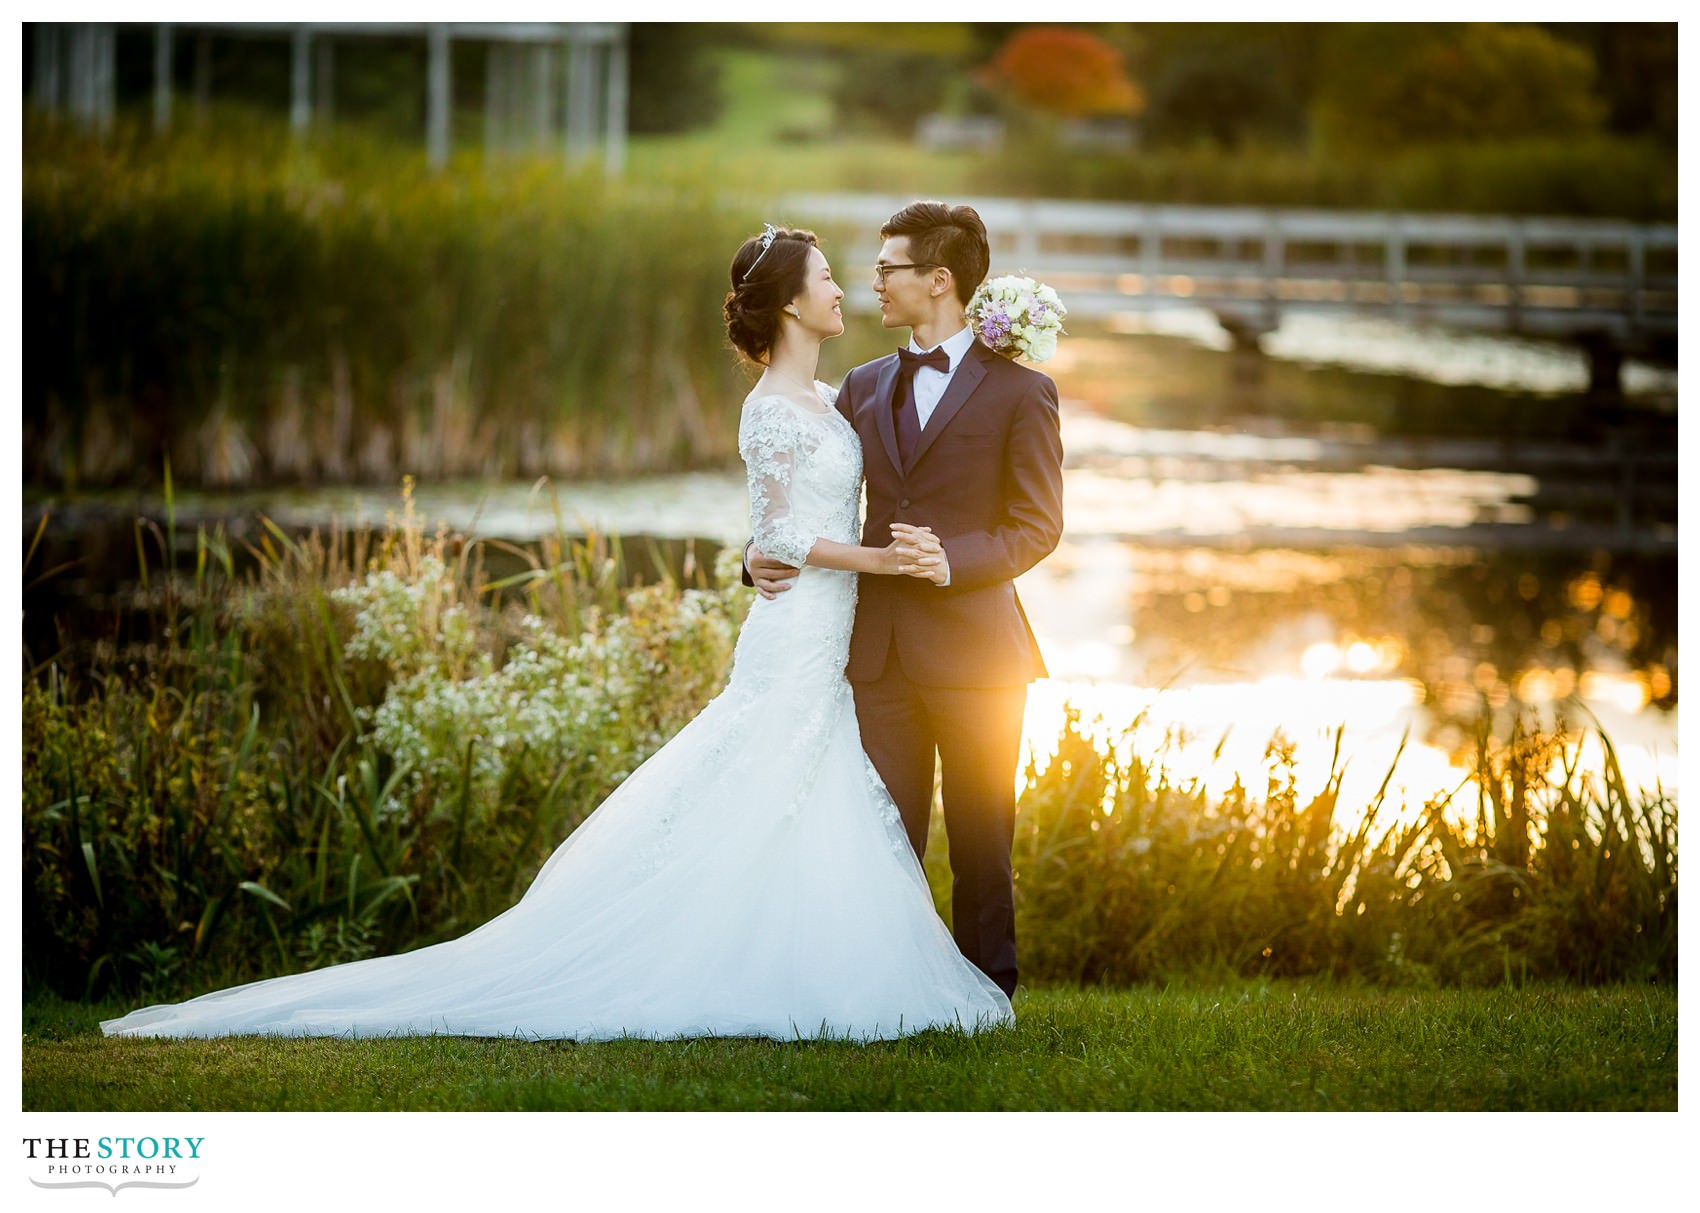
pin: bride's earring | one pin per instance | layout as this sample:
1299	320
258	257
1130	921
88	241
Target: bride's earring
791	311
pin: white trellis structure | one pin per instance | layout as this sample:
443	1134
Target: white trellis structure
542	81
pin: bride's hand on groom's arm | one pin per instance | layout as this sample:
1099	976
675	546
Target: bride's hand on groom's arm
912	552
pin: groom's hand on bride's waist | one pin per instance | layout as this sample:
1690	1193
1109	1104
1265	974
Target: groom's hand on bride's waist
770	577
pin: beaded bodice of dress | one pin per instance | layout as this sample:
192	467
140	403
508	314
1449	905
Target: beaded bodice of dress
804	472
804	469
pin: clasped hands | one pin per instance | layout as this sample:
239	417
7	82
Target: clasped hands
914	551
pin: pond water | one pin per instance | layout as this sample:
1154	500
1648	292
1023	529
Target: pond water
1226	578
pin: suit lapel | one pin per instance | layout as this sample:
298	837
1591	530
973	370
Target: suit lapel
884	386
962	385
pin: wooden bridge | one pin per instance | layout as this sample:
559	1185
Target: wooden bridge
1608	284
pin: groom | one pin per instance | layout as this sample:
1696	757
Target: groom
966	442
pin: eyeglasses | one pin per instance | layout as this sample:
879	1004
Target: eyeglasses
880	271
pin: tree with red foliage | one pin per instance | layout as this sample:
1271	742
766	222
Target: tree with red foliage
1070	72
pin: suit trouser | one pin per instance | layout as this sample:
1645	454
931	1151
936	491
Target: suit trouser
976	734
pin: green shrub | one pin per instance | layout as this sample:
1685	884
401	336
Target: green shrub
262	785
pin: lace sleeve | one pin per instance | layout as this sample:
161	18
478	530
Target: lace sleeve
768	438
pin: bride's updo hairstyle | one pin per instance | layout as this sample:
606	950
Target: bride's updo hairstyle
762	284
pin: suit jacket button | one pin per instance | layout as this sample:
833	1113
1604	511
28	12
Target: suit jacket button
904	504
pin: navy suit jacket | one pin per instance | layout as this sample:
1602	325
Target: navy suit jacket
987	478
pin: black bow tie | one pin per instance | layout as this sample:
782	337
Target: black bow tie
909	362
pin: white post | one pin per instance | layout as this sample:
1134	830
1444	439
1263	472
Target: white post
581	101
105	75
437	97
614	115
1395	261
1274	266
1637	278
493	83
1516	271
300	80
49	66
1027	237
542	94
80	77
161	78
1150	256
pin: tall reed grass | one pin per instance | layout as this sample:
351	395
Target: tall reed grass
1127	874
261	311
368	742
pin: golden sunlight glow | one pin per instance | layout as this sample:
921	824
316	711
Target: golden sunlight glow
1214	735
1320	660
1537	686
1183	727
1361	657
1626	692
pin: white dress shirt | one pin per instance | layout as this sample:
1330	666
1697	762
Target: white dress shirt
929	383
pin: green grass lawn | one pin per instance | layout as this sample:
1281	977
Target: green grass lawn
1258	1046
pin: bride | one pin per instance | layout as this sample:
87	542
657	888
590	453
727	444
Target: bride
753	877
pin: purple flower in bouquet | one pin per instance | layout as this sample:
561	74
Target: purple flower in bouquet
994	327
1017	317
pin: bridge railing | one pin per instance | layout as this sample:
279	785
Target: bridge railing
1250	265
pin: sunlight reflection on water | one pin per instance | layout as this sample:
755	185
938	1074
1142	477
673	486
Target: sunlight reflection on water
1441	356
1300	672
1184	727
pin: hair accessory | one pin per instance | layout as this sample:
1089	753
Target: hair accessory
767	235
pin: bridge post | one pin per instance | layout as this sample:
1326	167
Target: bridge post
1605	366
1150	253
1637	278
1246	360
1516	269
1274	269
1395	263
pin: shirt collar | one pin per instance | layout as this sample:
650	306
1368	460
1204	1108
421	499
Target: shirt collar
955	346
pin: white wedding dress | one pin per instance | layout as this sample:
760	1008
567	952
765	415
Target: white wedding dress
751	879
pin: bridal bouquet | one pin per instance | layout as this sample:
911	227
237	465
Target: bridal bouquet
1017	317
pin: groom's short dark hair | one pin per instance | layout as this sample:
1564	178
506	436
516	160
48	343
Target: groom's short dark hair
951	236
